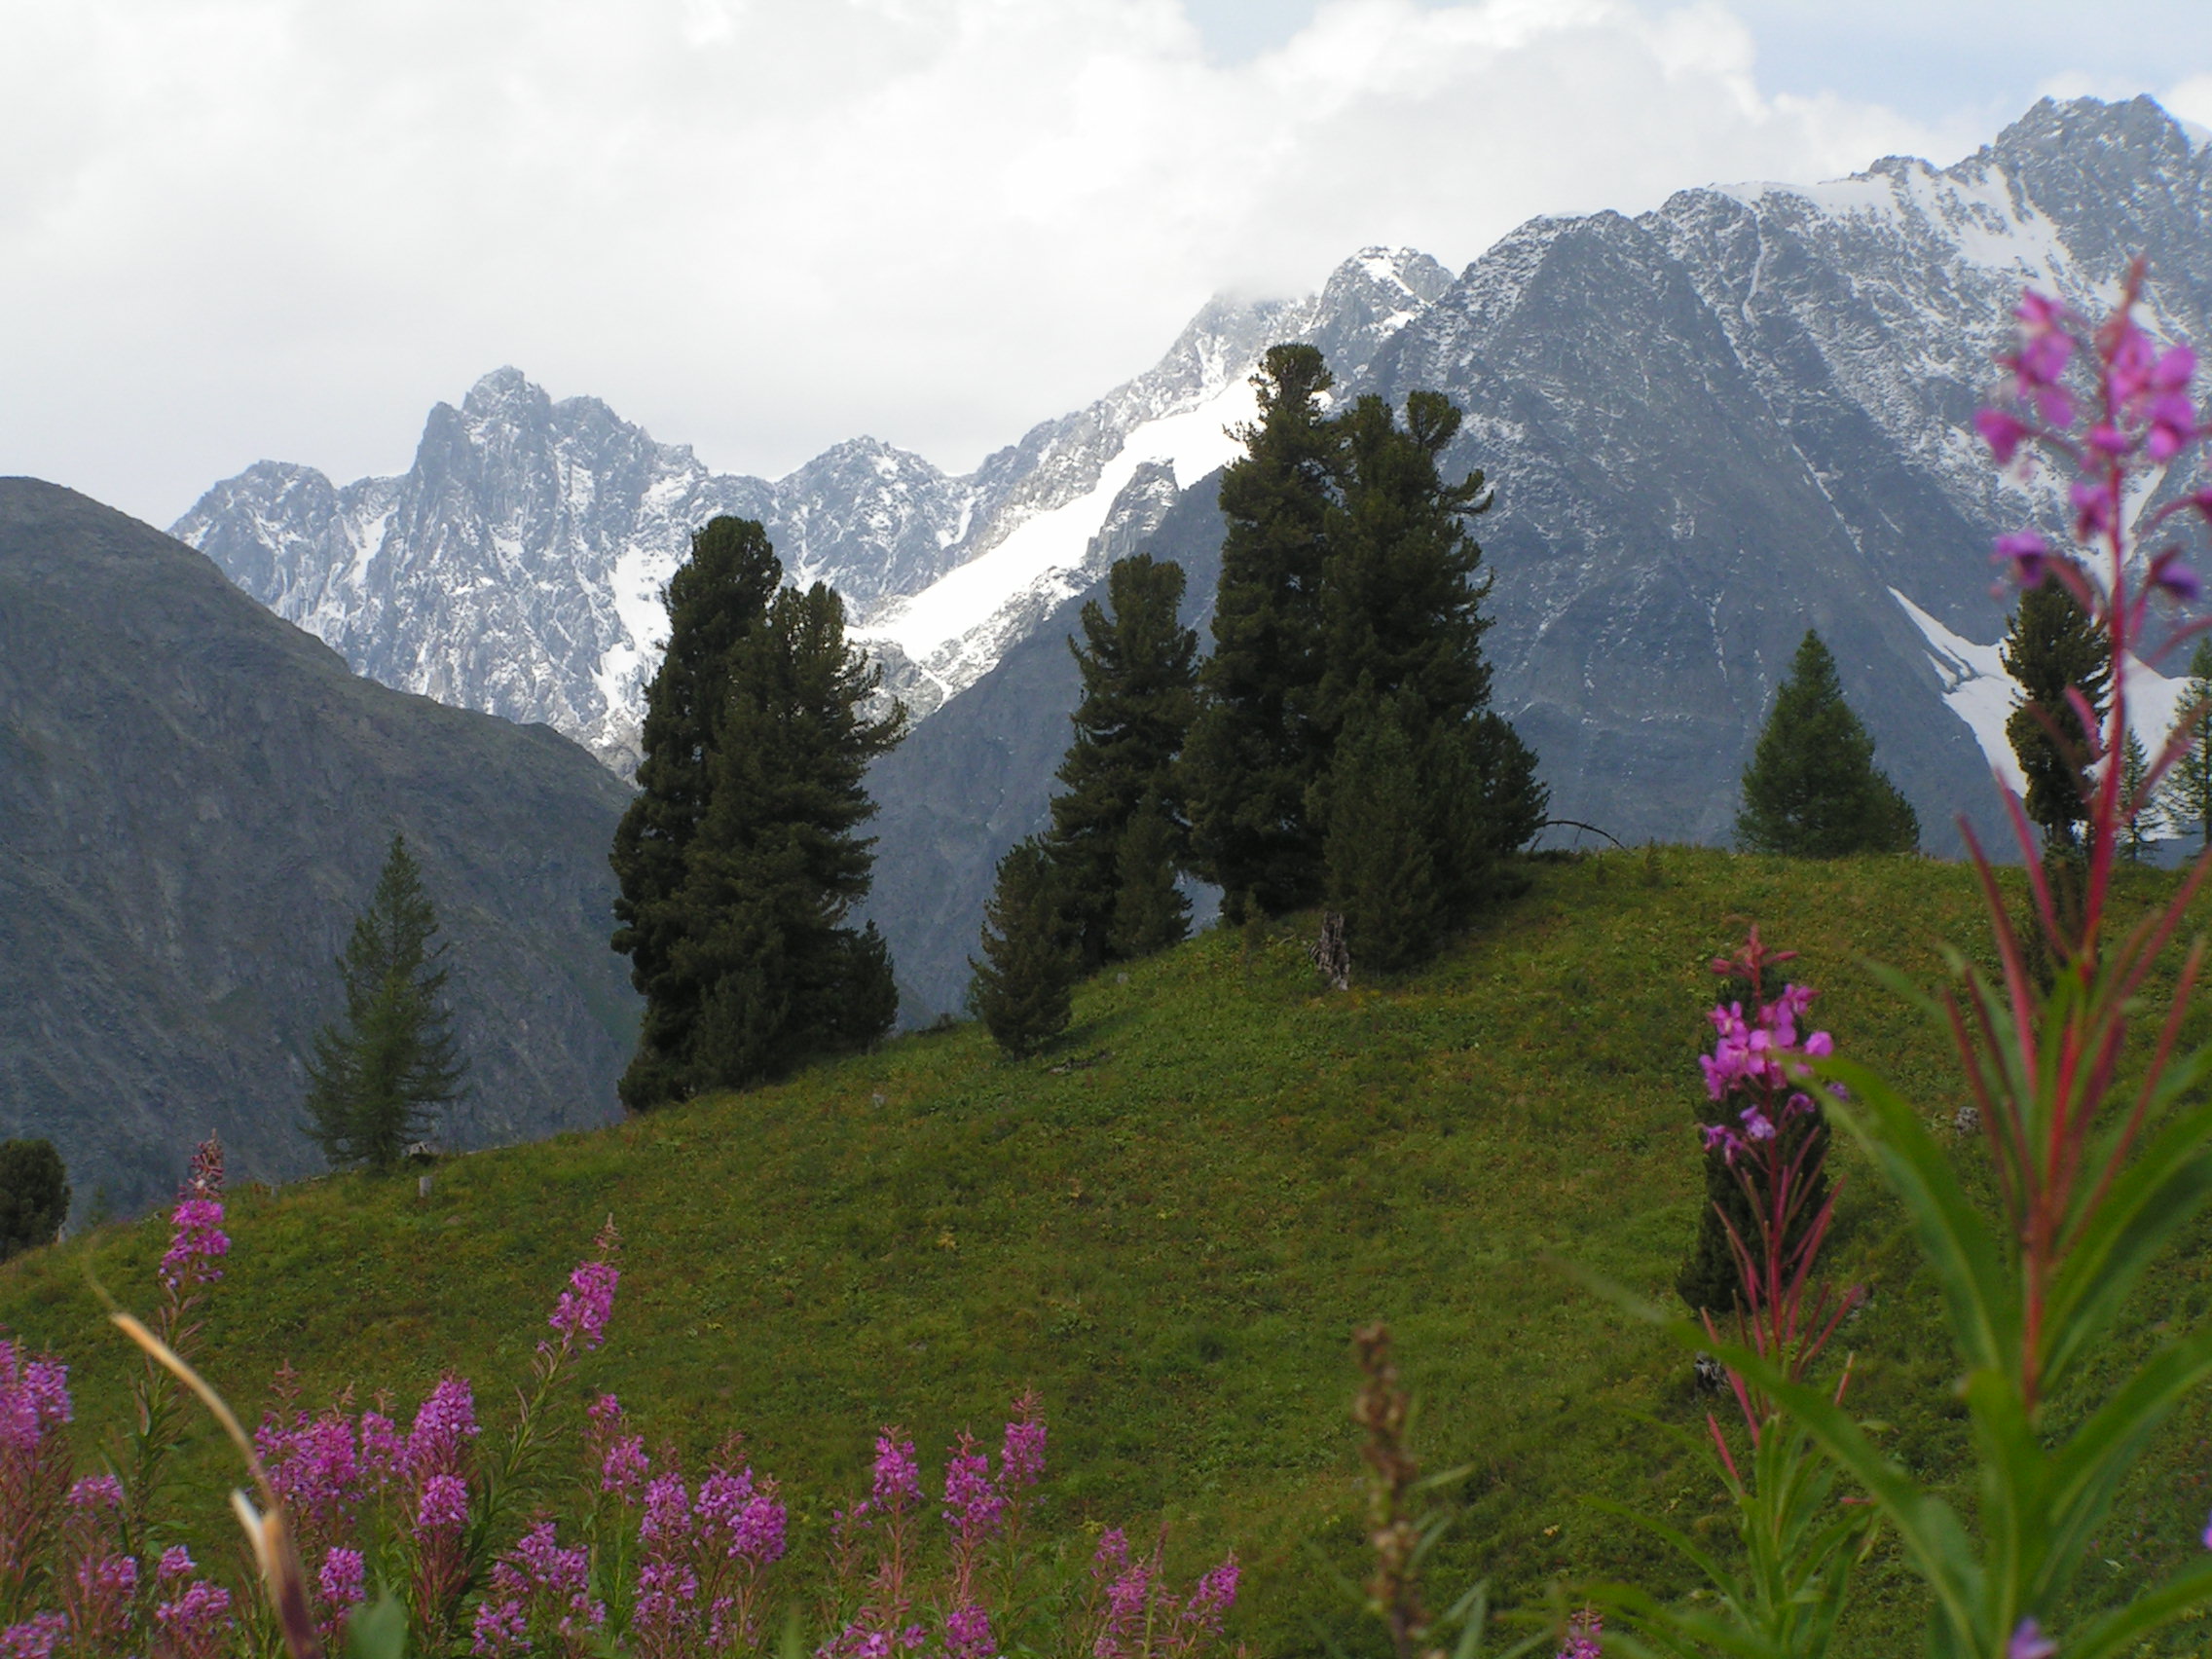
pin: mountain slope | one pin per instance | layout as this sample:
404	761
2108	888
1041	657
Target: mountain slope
1169	1227
195	801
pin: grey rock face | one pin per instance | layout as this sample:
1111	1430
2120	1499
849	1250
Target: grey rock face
195	801
516	567
1739	416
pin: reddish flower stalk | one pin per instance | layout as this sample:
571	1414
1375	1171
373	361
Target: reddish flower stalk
1776	1157
2039	1084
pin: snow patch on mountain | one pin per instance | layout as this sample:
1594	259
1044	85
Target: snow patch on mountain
1975	688
1978	689
1050	546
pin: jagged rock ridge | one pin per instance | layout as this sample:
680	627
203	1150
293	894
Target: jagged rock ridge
516	567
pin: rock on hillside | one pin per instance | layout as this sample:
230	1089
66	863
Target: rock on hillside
195	801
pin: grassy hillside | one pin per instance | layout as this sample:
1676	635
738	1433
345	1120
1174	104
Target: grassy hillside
1170	1226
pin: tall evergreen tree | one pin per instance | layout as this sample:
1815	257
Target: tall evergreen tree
1812	790
1255	750
1400	602
380	1070
767	972
715	598
1381	846
34	1195
2184	796
1138	699
1149	911
1402	626
1020	989
2052	645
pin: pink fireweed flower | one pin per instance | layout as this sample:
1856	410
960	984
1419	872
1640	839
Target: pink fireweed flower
973	1502
2003	431
96	1492
968	1633
584	1308
1585	1634
193	1625
624	1467
34	1397
37	1637
344	1579
2173	578
383	1450
177	1563
444	1425
2029	1642
196	1243
667	1512
745	1521
500	1628
898	1475
1021	1453
444	1504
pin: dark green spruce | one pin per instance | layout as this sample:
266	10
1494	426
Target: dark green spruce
1404	695
381	1071
1383	872
1812	790
752	795
1255	750
2052	645
1138	699
34	1195
715	598
1020	989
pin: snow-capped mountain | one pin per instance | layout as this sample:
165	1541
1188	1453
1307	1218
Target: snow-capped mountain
1748	412
517	566
1710	427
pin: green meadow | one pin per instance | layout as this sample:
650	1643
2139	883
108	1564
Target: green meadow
1169	1224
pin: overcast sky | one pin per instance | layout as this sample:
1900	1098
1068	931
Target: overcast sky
237	229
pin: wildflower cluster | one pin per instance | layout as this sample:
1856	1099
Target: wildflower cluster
1137	1618
198	1242
1759	1058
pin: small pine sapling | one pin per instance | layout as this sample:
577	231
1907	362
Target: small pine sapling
1020	989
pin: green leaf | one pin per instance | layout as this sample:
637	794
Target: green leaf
377	1630
1957	1240
2164	1186
1928	1527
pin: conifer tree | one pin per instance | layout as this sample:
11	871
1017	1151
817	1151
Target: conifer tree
1402	626
769	973
1149	911
1020	989
1381	849
34	1195
2053	645
1254	751
379	1072
1138	699
2185	795
1401	606
1812	788
2144	822
717	597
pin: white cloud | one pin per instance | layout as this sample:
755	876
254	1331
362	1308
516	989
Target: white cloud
237	227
